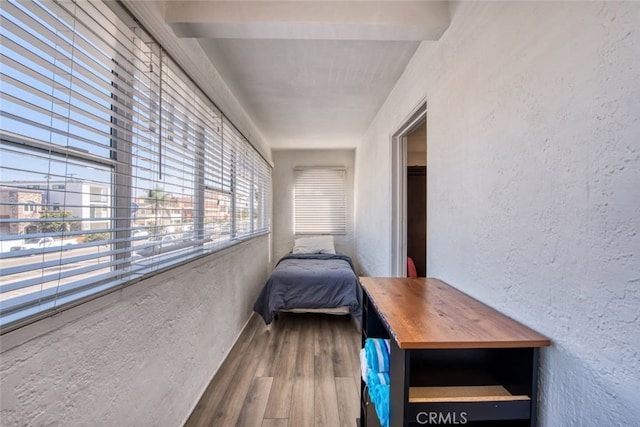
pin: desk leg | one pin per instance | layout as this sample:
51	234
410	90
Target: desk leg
399	391
534	388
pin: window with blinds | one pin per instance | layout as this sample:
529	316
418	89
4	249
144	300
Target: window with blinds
320	201
114	163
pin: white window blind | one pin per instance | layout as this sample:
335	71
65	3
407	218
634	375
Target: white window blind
319	201
114	164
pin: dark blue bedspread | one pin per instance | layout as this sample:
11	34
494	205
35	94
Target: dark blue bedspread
310	281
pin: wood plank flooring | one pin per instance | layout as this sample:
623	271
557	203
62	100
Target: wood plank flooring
302	370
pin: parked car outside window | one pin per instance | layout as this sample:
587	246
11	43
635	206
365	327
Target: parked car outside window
158	244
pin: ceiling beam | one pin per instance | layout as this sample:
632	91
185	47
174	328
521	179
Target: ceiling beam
309	20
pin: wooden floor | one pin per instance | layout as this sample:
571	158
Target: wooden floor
300	371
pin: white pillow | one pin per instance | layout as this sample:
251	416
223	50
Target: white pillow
314	245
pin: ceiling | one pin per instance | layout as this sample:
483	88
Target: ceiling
311	74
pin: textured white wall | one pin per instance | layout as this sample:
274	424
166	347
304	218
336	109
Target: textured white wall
285	161
138	357
533	113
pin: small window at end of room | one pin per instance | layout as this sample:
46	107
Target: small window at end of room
320	201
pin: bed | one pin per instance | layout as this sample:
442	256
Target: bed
311	280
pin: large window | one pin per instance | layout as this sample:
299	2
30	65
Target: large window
114	163
320	201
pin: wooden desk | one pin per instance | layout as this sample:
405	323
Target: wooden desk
450	355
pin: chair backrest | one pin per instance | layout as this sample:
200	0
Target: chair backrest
411	268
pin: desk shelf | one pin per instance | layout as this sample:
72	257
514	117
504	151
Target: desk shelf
482	393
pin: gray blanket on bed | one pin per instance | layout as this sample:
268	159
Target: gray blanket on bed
310	281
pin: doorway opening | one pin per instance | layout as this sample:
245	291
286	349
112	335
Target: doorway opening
409	194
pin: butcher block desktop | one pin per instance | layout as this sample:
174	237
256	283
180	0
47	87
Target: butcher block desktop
454	360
